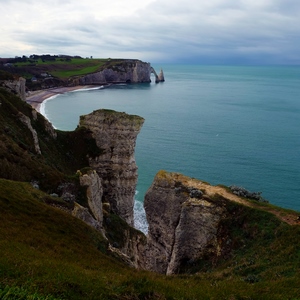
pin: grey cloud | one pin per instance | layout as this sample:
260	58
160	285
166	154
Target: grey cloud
210	31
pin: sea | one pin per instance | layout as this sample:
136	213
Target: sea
230	125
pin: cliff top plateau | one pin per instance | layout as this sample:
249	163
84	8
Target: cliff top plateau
66	214
46	71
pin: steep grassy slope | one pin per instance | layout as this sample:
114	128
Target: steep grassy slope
18	159
45	253
60	157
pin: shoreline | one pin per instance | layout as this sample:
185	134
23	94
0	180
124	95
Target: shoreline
36	98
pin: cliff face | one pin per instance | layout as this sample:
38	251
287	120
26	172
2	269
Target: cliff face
115	134
183	223
100	152
131	71
27	122
16	86
92	181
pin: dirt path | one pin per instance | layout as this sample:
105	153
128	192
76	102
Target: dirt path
291	218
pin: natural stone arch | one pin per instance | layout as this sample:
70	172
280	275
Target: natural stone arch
159	77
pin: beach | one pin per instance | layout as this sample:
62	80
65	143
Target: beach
36	98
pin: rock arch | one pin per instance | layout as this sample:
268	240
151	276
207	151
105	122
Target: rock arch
158	78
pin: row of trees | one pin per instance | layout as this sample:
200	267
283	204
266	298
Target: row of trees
44	57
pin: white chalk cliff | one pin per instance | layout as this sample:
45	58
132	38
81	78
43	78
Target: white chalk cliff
115	134
128	71
183	223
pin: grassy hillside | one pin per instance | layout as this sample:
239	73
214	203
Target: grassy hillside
60	157
55	66
45	253
64	69
18	160
59	67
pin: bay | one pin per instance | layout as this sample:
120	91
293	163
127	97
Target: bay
221	124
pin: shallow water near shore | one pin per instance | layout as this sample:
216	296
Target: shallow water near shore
221	124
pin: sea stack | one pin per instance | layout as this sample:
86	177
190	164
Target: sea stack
115	134
161	77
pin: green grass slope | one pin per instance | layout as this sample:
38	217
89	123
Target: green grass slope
57	67
47	254
60	159
62	68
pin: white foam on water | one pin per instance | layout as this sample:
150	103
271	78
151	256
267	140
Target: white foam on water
42	107
87	89
43	104
140	221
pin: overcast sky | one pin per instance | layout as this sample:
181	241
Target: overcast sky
185	31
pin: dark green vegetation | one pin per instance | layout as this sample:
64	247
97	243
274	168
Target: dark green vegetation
60	157
45	253
61	67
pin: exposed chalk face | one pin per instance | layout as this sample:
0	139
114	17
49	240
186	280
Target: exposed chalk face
94	191
183	222
115	134
131	71
16	86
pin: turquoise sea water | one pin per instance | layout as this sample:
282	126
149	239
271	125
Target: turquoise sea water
221	124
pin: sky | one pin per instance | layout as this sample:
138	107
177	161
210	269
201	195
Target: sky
164	31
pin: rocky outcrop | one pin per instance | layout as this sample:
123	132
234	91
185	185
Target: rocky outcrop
94	193
83	214
129	71
160	77
16	86
131	245
27	122
115	134
47	125
183	223
242	192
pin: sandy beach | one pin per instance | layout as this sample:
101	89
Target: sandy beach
36	98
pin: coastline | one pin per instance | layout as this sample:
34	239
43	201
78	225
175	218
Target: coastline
36	98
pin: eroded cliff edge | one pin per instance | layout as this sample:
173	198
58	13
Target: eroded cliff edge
185	219
183	222
129	71
17	87
115	134
188	218
192	223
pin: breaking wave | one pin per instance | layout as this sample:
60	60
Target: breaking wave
140	221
